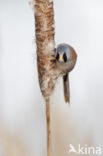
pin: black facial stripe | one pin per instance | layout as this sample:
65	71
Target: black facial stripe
57	56
65	57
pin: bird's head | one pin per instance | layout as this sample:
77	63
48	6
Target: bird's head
64	53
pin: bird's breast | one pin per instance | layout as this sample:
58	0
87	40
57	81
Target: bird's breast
65	67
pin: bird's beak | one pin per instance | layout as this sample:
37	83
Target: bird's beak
61	58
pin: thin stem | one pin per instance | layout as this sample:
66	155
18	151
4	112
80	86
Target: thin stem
48	127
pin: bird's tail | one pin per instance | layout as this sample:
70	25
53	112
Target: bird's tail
66	88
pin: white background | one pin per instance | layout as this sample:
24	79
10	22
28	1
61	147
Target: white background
22	109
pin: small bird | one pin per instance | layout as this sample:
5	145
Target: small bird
65	61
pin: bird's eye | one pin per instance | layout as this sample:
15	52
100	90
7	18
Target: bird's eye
57	56
65	57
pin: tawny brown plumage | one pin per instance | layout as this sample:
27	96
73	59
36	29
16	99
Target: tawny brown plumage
65	61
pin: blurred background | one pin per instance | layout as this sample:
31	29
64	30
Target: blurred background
22	108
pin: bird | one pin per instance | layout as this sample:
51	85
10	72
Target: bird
66	58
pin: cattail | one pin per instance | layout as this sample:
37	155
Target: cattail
44	31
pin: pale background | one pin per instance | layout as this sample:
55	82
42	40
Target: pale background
22	108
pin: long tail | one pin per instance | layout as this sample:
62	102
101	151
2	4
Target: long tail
66	88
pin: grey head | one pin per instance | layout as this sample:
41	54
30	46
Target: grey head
63	53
